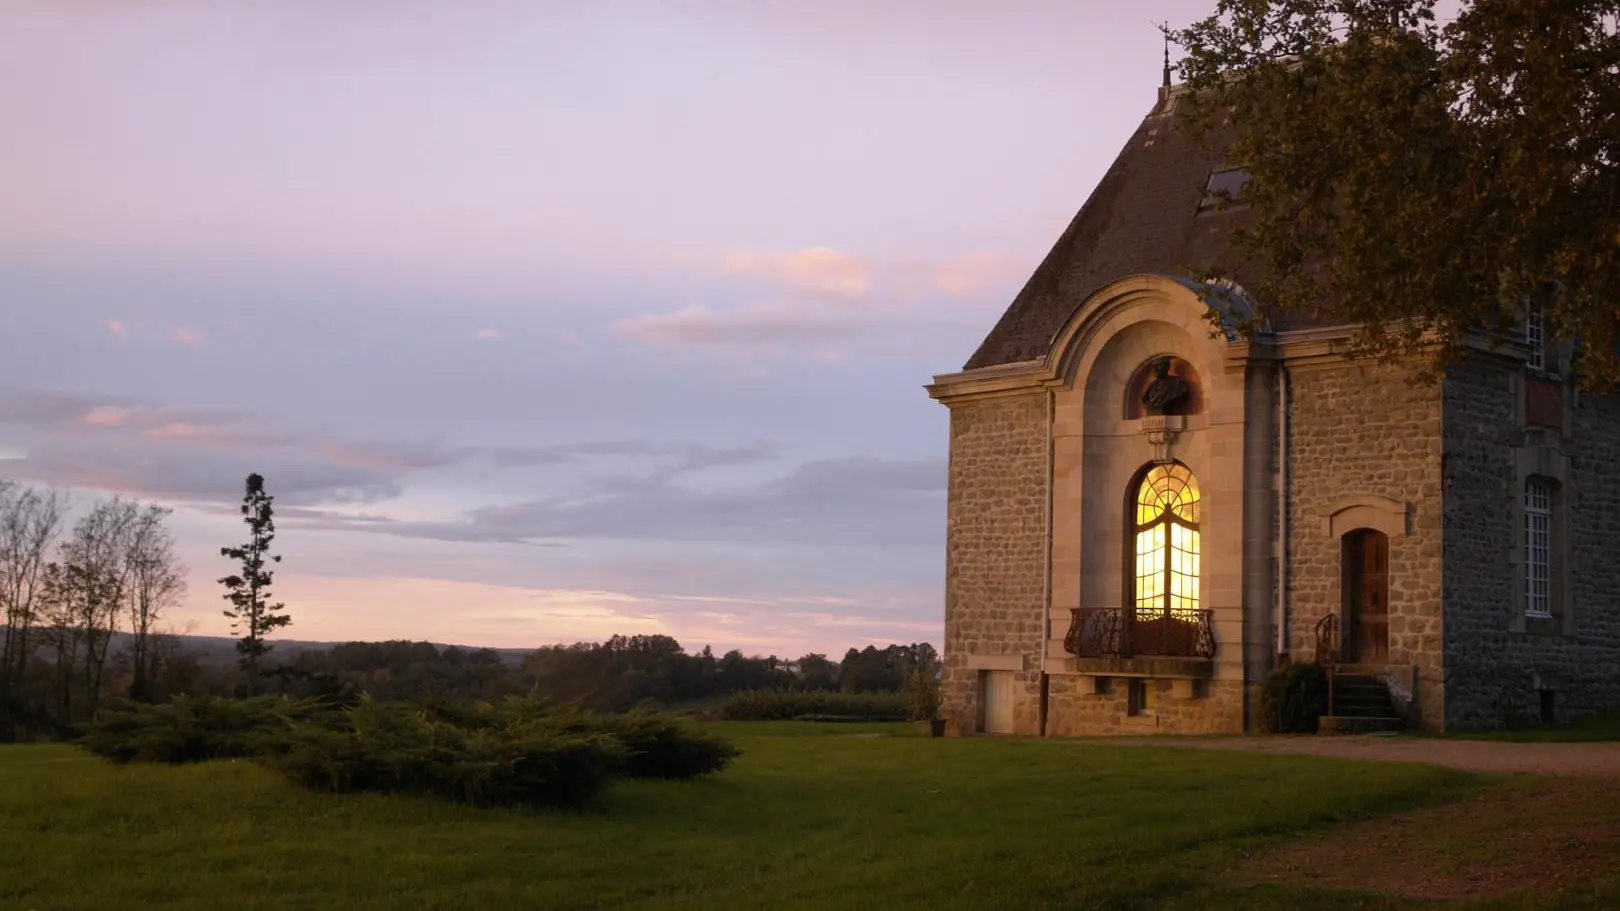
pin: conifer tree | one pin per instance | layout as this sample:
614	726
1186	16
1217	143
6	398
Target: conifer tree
252	614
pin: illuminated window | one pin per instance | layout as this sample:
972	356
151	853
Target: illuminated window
1538	497
1167	544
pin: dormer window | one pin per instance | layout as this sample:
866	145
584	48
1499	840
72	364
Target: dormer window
1223	188
1535	338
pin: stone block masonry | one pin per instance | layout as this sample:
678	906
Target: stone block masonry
1364	430
1498	661
996	551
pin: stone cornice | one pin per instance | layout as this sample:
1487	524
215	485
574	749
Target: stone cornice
1000	381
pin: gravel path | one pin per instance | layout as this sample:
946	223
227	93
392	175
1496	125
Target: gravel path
1591	759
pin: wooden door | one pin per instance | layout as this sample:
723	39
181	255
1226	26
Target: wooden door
998	702
1366	595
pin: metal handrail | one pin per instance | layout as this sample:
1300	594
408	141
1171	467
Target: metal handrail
1096	632
1327	651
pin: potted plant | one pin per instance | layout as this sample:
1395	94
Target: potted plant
922	696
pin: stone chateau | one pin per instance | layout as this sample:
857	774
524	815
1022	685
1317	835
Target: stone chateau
1147	515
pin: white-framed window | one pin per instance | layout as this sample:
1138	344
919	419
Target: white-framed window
1538	502
1535	338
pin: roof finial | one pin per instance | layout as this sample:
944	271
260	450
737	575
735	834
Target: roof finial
1165	31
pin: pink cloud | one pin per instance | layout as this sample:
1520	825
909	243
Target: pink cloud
108	416
752	326
820	270
486	335
835	304
186	335
116	327
979	273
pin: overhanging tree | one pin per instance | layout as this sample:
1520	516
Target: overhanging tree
1431	183
253	616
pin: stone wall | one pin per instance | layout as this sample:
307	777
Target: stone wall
1075	709
996	551
1361	430
1497	661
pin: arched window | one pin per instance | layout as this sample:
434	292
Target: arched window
1165	530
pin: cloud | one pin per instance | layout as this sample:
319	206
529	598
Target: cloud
486	335
165	470
186	335
832	305
979	273
832	502
820	270
198	455
700	327
116	327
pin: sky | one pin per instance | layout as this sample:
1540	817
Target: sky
544	321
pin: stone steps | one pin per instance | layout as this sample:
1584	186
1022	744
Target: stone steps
1340	724
1361	705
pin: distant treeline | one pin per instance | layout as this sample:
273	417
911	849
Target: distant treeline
612	676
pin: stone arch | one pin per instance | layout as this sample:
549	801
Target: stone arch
1183	305
1367	510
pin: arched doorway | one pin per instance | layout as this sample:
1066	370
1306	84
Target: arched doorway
1365	562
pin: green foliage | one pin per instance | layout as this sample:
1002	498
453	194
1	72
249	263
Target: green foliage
1425	181
785	705
1293	698
922	693
661	746
392	747
523	751
194	729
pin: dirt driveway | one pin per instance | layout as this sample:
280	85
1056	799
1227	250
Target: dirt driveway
1589	759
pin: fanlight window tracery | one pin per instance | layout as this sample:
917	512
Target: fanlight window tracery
1165	528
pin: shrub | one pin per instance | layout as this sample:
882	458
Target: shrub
782	705
194	729
659	746
1293	698
394	747
522	751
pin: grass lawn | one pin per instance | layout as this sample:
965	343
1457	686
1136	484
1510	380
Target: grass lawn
812	816
1592	728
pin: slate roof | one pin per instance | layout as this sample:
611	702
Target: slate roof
1142	218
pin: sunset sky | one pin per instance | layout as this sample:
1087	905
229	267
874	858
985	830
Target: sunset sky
544	321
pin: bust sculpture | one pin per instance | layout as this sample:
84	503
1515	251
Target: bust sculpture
1166	394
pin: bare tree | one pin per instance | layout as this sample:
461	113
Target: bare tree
157	581
30	523
97	580
58	618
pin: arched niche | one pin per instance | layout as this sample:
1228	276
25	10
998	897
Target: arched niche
1143	376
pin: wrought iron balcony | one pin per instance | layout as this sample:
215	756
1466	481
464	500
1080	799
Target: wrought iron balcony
1117	632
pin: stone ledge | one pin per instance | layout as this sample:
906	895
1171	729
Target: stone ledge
1143	666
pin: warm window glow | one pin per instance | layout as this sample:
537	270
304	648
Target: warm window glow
1537	548
1167	542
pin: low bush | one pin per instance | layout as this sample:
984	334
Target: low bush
394	747
661	746
521	751
198	728
785	705
1293	698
